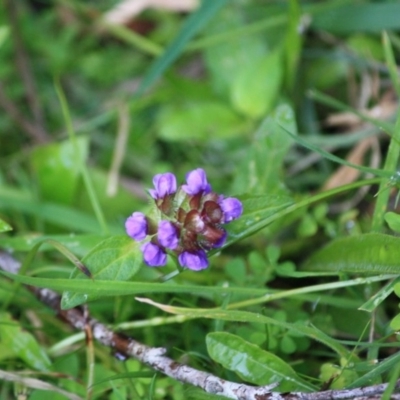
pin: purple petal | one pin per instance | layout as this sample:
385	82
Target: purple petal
164	184
195	261
168	235
196	182
154	256
221	241
232	208
136	226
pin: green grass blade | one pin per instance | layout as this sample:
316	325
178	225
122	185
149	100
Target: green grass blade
336	159
84	171
191	26
330	101
392	157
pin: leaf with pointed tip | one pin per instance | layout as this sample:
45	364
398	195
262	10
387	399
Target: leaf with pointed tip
371	253
22	344
252	363
4	227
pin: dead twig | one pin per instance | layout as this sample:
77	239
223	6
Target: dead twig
156	359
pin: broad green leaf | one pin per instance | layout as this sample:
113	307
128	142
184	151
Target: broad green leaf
193	24
395	323
4	32
256	88
366	46
117	258
4	227
22	344
56	169
253	364
227	59
338	376
367	17
371	253
199	120
261	170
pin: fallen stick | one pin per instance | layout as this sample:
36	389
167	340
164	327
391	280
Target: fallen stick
155	357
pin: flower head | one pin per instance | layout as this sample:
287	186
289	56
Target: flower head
195	261
168	235
232	208
188	221
165	184
196	182
136	226
153	255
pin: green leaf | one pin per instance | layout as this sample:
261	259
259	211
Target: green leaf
256	88
194	23
261	170
375	301
4	32
56	169
226	59
367	17
4	227
393	220
371	253
22	344
252	363
258	212
200	120
395	323
293	42
117	258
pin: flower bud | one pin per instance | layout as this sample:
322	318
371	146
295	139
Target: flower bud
153	255
196	182
165	184
232	208
136	226
195	261
168	235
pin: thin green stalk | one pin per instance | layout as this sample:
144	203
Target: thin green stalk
84	171
330	101
308	289
132	38
392	157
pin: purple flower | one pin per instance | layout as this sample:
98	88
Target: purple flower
136	226
153	255
164	184
195	261
168	235
196	183
232	208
